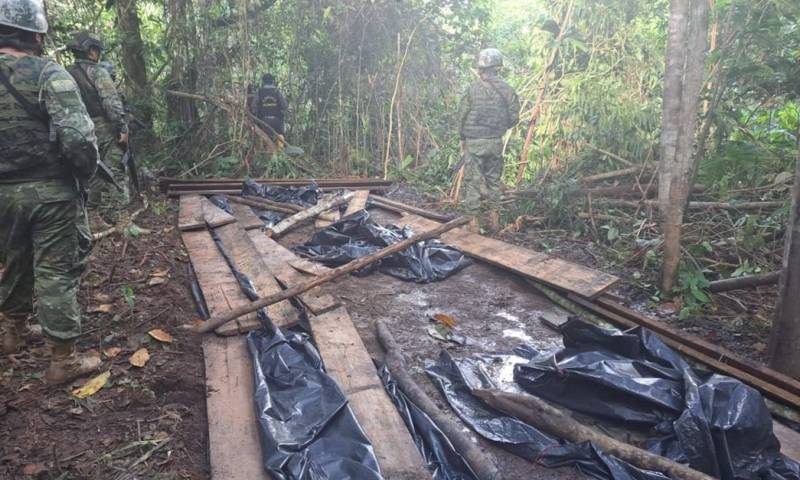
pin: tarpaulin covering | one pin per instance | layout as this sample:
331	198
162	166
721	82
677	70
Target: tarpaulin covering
714	423
305	196
307	429
356	236
457	377
440	456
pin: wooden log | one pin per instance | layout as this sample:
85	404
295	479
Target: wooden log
330	218
350	267
554	421
358	202
399	207
528	263
483	463
748	281
311	212
348	362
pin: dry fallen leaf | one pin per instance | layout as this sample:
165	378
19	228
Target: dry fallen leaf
139	358
161	272
112	352
445	320
92	386
156	281
104	308
160	335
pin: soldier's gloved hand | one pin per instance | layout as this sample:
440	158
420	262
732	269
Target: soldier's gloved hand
123	138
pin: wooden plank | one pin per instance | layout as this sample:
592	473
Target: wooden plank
276	257
348	362
245	216
234	446
213	215
528	263
324	222
790	440
220	288
248	261
190	213
358	202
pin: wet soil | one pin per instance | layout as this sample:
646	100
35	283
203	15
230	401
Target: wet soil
146	423
494	310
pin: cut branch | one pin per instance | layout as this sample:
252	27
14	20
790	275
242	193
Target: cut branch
307	214
744	282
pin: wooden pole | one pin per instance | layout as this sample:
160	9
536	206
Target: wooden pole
265	204
216	322
299	217
744	282
482	463
554	421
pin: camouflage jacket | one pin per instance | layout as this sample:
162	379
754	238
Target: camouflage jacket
488	109
99	94
33	150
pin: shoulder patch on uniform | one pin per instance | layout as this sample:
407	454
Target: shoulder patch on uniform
62	85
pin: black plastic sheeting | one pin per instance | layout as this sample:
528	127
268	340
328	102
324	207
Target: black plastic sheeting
305	196
444	462
356	236
306	427
714	423
456	377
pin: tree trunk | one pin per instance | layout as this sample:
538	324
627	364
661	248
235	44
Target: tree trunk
183	72
783	352
133	60
687	43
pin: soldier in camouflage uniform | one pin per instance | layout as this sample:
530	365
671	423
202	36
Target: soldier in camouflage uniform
487	110
106	109
48	151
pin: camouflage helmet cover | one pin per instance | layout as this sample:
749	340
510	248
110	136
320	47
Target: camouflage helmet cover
82	41
28	15
489	57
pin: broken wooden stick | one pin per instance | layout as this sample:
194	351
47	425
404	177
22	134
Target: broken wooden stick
482	463
215	322
264	204
729	284
693	205
554	421
309	213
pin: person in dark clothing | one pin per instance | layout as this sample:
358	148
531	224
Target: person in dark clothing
270	106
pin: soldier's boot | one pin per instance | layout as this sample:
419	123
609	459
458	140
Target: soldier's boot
493	220
474	226
10	335
66	365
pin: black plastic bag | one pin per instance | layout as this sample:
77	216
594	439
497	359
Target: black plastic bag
456	378
306	427
444	462
356	236
716	424
305	196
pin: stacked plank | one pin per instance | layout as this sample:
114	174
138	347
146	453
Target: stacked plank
233	429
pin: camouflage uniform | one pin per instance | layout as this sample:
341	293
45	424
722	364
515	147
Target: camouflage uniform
487	110
108	114
42	214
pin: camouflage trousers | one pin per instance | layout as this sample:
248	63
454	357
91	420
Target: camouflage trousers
47	243
483	169
104	197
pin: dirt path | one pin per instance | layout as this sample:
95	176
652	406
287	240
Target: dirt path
47	433
494	310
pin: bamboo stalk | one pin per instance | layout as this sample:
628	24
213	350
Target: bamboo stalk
216	322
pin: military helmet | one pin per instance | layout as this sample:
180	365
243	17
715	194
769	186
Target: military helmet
489	57
26	15
83	41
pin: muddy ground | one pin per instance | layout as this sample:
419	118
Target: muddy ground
147	423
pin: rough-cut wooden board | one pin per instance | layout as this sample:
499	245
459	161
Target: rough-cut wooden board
358	202
245	216
190	213
234	446
213	215
552	271
248	261
277	259
216	280
790	440
347	361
